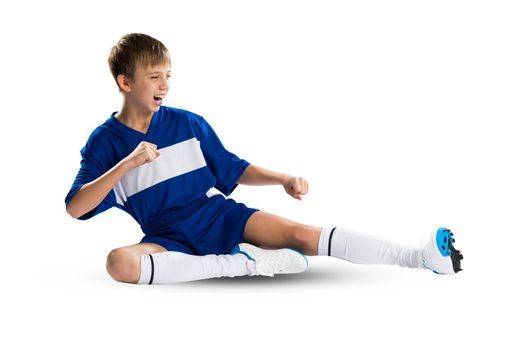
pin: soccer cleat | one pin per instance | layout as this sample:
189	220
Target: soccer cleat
265	262
439	254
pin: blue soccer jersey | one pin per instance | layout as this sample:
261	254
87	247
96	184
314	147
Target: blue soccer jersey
192	161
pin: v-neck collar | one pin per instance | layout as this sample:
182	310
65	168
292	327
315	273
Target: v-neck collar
123	126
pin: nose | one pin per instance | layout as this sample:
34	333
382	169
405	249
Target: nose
164	83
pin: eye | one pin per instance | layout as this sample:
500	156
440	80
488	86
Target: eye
154	77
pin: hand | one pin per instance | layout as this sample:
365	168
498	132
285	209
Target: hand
296	187
144	153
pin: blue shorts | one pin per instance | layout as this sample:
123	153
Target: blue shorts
212	225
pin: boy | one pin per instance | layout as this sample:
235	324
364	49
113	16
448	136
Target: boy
159	164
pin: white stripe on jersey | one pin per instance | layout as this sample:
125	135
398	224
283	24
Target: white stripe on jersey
175	160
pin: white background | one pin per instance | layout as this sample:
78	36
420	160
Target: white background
403	115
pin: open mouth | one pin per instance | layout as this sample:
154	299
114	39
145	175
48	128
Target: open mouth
158	98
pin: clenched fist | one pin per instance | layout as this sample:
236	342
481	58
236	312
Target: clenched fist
144	153
296	187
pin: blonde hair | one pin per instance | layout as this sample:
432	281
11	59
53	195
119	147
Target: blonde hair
133	50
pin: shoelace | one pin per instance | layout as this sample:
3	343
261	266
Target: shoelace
265	267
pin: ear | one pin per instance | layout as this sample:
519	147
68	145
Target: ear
123	83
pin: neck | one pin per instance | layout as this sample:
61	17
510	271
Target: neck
134	118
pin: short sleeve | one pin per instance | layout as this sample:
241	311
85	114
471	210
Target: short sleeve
225	166
93	165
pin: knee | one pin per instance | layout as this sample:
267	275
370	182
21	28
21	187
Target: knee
305	239
123	265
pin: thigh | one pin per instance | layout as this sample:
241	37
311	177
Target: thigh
272	231
218	228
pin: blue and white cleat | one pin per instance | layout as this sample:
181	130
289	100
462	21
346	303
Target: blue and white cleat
268	262
439	254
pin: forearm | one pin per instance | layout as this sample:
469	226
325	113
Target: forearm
91	194
257	176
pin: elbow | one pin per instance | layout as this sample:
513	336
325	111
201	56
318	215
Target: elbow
72	212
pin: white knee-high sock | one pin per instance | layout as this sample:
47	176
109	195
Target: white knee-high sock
366	249
171	267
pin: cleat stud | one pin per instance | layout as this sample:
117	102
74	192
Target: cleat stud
453	240
445	239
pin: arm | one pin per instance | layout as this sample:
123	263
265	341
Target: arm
91	194
257	176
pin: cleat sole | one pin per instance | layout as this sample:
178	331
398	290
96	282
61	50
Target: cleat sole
456	256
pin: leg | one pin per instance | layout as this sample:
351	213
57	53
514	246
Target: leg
123	264
271	231
144	263
268	230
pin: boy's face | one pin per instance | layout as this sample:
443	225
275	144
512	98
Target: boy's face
149	87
